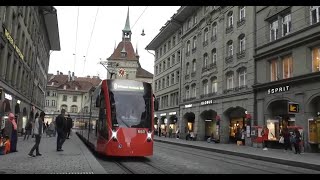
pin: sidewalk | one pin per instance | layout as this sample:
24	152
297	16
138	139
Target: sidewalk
305	160
75	159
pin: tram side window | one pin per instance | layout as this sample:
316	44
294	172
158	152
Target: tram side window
102	117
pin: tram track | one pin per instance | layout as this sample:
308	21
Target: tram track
253	164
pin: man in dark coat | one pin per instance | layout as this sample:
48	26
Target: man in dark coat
69	125
61	125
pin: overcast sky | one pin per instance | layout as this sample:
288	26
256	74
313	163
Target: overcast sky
108	29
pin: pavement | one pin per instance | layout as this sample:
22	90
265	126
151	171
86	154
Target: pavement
304	160
75	159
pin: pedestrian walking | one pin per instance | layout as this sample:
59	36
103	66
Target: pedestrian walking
38	131
14	134
265	133
69	125
286	138
28	129
296	143
170	132
61	125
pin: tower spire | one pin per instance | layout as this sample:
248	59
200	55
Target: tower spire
126	32
137	50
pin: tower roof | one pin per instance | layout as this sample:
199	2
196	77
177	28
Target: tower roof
127	25
131	55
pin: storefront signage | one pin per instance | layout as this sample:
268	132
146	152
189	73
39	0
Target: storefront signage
188	106
18	102
278	89
293	107
8	96
163	114
155	115
10	39
206	102
172	113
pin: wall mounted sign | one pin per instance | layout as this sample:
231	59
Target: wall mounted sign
293	107
172	113
188	106
8	96
163	114
206	102
278	89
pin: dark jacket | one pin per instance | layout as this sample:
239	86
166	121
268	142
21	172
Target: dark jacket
69	123
61	123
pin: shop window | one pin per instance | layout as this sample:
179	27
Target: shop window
316	59
274	129
190	126
274	70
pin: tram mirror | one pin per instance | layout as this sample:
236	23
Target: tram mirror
98	101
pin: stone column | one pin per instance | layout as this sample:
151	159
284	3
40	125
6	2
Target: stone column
4	56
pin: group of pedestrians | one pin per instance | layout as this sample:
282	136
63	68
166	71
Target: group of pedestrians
9	135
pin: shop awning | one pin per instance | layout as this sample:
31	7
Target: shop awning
189	116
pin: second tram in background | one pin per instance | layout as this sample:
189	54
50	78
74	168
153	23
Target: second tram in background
122	111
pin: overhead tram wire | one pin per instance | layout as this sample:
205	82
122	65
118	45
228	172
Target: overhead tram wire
90	39
75	46
139	17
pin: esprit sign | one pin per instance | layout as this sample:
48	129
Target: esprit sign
278	89
188	106
206	102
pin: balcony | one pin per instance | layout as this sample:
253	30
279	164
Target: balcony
229	59
194	50
205	43
213	38
187	76
241	22
193	74
241	54
229	29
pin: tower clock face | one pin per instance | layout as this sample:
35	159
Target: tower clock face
121	72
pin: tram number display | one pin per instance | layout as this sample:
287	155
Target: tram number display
141	131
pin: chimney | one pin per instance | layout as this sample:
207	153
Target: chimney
69	76
57	72
72	76
61	73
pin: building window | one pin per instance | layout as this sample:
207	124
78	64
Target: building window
188	47
230	19
168	63
173	41
205	60
242	43
314	14
195	19
169	45
194	65
187	69
242	77
194	42
179	56
274	70
189	23
230	81
214	85
173	59
76	88
194	90
156	86
74	99
177	98
48	93
65	107
168	81
47	103
160	52
164	65
274	30
178	77
242	14
287	67
74	109
214	56
54	94
156	72
159	85
65	87
316	59
205	87
53	103
86	109
163	82
160	67
214	29
187	92
230	48
164	49
172	78
286	24
64	98
206	35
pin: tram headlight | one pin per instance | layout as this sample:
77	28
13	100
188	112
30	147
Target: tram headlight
114	135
